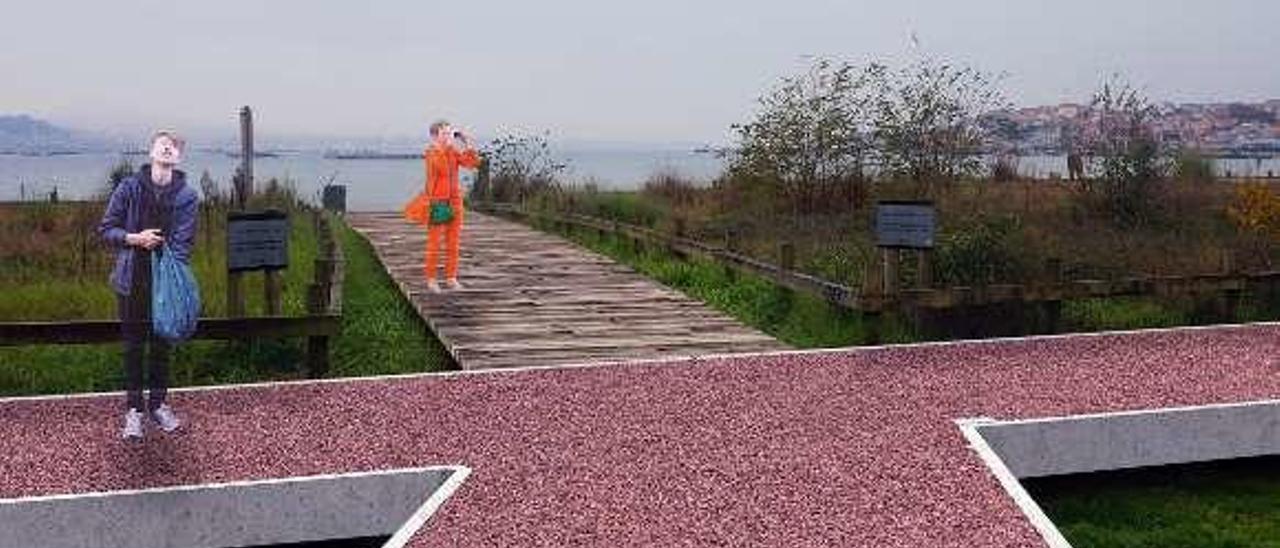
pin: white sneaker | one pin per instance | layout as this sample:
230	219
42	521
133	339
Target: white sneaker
432	286
164	417
452	284
132	424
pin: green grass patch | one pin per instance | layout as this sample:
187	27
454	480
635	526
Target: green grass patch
1227	504
62	279
382	334
1121	314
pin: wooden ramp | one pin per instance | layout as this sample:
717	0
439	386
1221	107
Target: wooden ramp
533	299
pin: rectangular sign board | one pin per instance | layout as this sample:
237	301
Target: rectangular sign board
905	225
257	241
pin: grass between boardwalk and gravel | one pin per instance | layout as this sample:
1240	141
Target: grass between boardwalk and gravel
381	332
1225	504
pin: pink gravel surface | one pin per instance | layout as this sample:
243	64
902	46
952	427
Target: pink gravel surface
842	448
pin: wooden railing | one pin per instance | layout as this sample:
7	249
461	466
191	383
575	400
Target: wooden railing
1228	285
323	319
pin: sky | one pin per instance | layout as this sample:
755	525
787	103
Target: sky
593	70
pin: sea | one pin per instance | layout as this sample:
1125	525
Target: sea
372	184
385	184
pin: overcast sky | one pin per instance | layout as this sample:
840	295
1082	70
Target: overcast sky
659	70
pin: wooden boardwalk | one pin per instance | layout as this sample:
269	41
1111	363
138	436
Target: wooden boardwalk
533	299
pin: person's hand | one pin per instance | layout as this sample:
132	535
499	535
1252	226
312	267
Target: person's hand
464	139
147	239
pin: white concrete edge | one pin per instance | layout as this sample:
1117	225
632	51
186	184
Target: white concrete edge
419	518
1039	520
671	361
1131	412
457	473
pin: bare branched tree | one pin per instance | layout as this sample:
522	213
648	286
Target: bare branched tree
928	126
811	133
518	166
1125	156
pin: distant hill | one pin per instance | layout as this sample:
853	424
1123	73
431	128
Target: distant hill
22	134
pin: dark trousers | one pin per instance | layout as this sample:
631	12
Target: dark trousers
139	339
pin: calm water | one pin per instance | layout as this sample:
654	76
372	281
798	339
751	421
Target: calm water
371	184
387	184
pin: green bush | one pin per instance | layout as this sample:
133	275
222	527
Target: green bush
984	251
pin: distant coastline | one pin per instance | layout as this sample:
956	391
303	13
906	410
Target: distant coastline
371	155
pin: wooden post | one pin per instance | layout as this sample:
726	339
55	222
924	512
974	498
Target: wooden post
924	269
244	188
271	292
891	282
235	296
873	286
317	364
1053	269
1228	261
482	181
788	257
730	246
679	233
873	326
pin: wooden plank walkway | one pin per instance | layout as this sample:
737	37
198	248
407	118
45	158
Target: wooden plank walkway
533	299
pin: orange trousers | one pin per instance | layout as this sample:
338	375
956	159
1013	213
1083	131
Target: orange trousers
452	233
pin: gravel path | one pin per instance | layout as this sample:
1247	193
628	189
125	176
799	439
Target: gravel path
848	448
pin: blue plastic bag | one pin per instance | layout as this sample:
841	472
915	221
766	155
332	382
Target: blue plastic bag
175	297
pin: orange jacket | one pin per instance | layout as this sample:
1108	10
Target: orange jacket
442	171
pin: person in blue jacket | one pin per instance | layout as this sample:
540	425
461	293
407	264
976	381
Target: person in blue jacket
147	209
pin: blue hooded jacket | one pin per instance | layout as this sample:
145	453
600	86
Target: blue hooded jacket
124	215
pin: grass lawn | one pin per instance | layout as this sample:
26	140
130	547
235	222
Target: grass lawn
381	332
1226	504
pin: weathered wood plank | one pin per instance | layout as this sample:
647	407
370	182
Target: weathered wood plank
606	343
534	299
566	332
621	354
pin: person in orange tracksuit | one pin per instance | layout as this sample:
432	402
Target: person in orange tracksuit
443	158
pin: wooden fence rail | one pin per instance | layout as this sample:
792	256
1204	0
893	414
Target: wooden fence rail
323	319
1230	285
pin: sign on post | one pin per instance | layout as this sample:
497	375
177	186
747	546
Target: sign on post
905	225
257	241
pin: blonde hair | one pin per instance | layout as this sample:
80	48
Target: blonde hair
437	125
173	137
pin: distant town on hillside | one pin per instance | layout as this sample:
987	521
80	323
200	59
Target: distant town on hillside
1220	129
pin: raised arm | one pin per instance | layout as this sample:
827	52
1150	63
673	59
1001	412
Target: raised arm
469	158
